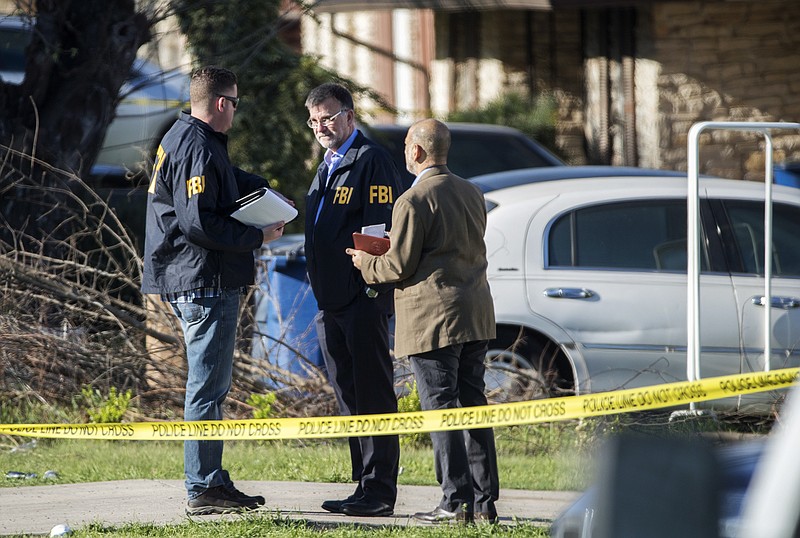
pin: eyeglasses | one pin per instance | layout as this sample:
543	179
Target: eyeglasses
234	100
325	122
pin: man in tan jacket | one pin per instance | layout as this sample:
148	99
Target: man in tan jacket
445	315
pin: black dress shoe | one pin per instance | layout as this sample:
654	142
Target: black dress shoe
335	506
440	515
367	507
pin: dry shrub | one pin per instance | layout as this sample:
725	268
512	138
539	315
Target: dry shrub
71	313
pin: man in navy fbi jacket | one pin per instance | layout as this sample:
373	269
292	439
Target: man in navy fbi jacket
355	185
200	260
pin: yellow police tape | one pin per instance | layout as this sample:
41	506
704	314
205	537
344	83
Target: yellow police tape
529	412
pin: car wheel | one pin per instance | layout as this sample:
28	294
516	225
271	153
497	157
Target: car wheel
520	368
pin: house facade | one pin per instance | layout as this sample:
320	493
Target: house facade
630	78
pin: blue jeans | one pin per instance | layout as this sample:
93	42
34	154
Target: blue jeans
209	329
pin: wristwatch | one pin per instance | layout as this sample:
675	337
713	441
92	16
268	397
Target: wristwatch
371	293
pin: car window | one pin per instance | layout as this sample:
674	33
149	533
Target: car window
12	49
747	227
641	235
473	154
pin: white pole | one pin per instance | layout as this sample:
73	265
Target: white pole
693	237
767	252
693	256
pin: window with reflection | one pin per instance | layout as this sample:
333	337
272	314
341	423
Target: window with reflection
646	235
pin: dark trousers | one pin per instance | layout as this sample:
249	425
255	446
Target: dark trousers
355	345
466	461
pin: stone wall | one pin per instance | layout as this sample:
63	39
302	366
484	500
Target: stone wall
565	76
495	52
724	61
694	60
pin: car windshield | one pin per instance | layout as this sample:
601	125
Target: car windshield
472	153
481	153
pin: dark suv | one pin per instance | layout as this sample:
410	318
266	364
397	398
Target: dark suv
475	148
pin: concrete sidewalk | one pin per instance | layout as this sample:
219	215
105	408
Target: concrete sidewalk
34	510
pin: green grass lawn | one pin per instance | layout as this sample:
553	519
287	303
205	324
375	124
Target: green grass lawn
322	461
262	526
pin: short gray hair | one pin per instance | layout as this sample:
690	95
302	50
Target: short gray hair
328	90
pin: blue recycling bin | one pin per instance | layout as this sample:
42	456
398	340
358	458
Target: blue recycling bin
787	174
285	309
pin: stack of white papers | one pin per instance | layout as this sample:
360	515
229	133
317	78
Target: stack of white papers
262	208
375	230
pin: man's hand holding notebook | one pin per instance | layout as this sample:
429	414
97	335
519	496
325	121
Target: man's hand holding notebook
372	240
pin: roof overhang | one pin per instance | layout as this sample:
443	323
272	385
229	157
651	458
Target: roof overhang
461	5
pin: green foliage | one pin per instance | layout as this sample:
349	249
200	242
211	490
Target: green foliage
536	117
262	404
409	404
105	409
27	409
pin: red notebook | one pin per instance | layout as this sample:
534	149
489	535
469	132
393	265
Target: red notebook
370	244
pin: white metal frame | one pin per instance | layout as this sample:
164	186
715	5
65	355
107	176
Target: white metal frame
693	237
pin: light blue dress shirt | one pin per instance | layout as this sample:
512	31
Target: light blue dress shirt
332	159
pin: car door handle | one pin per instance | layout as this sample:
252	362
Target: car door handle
777	302
568	293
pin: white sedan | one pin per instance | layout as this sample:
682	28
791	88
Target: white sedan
587	267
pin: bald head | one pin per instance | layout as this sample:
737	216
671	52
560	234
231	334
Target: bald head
427	144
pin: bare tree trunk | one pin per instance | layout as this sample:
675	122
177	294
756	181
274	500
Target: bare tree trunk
80	54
